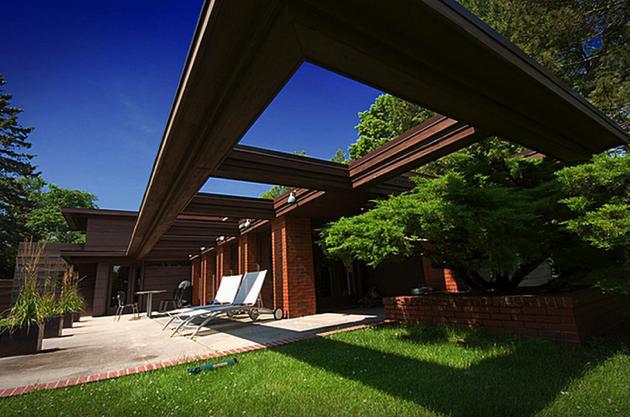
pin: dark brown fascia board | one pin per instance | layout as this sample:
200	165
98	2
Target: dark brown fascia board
234	207
433	139
303	197
429	52
77	217
236	46
71	256
248	163
256	226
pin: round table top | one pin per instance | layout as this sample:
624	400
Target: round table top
150	292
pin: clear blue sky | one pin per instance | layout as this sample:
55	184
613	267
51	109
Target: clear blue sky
97	78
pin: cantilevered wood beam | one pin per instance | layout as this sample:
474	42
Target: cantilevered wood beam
424	143
430	52
248	163
202	229
241	55
437	54
217	205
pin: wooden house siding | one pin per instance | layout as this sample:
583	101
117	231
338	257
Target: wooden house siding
108	233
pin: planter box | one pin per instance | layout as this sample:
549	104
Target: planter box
570	316
21	340
76	317
53	326
68	320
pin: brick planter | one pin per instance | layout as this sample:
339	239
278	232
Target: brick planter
568	316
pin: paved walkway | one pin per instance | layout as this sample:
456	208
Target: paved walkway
99	348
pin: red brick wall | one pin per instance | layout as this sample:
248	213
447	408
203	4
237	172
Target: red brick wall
247	259
569	317
438	278
294	283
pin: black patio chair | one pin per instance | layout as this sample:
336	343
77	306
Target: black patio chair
121	297
180	297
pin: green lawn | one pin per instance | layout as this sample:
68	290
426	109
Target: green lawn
389	371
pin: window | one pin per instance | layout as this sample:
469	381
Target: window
120	283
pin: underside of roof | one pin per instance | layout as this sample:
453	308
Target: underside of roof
432	52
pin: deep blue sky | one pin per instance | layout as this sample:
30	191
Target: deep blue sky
97	78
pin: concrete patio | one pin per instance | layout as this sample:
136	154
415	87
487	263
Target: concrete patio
97	346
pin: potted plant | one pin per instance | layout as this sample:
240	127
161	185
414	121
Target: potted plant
23	330
70	301
53	321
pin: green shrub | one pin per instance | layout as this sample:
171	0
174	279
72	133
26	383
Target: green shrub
30	307
70	300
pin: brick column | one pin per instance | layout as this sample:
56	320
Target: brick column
197	289
438	278
101	290
247	256
211	269
293	270
223	264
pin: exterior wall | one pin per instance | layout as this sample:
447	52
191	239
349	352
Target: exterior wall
50	264
293	270
6	290
87	273
108	233
164	276
101	289
569	317
397	277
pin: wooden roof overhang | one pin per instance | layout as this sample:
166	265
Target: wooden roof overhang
212	206
430	52
432	139
247	163
77	217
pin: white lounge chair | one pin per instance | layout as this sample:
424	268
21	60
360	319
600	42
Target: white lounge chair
247	300
228	287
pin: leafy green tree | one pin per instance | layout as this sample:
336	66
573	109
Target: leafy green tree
585	43
15	164
485	216
598	196
387	118
491	214
339	157
274	192
45	222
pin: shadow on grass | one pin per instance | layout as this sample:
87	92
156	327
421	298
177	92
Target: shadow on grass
507	376
519	383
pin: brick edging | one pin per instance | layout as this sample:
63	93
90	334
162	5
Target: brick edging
12	392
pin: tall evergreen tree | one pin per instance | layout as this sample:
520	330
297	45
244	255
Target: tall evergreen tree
15	164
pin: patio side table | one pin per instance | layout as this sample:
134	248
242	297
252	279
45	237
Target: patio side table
149	294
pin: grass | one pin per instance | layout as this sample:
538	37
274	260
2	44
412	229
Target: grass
390	371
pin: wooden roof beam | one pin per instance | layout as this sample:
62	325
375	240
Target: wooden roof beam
218	205
424	143
430	52
247	163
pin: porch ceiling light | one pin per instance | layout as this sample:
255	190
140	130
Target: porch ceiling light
247	223
203	248
292	198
